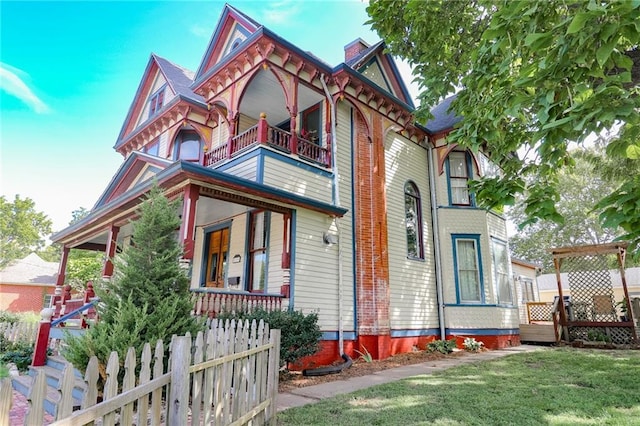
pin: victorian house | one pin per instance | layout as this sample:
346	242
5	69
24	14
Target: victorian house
310	187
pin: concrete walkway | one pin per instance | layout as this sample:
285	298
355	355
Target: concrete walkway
311	394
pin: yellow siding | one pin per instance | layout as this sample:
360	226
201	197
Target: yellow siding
297	180
157	84
245	122
413	302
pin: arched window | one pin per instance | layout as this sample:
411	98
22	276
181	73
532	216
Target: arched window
188	147
413	221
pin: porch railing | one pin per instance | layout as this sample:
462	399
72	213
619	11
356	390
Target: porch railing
211	304
264	134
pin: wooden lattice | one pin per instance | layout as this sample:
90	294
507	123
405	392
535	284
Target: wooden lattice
591	312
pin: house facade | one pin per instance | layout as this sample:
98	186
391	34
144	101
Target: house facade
27	285
310	187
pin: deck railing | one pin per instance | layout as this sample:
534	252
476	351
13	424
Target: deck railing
274	137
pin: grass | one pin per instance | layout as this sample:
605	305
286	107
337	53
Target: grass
561	386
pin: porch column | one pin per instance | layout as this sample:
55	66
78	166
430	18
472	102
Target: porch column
110	252
263	129
187	227
294	132
62	267
233	131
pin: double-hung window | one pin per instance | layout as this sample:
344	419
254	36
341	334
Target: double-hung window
413	221
259	239
458	169
501	271
466	257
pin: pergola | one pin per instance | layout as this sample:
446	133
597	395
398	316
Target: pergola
592	310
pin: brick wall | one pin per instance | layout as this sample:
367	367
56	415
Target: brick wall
23	297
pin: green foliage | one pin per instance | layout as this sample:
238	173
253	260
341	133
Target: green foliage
4	371
83	266
365	355
9	317
442	346
533	76
148	297
300	333
19	353
472	345
22	229
598	336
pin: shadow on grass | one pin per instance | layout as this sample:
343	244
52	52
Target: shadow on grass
557	386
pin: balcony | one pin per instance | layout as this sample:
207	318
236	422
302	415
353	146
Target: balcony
211	304
264	134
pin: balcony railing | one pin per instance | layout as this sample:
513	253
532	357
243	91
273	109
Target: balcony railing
263	133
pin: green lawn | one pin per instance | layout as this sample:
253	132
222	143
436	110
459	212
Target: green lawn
559	386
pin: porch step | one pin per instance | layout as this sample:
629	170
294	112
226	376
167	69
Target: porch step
53	371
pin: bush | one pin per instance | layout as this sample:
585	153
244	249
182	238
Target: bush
442	346
472	345
19	353
9	317
300	333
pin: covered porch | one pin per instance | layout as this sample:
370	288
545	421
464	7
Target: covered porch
236	233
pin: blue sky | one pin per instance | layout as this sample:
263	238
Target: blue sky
69	71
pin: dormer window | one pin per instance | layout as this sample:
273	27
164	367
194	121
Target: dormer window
155	102
188	147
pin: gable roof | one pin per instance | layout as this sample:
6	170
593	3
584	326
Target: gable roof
30	270
127	173
360	62
178	79
217	43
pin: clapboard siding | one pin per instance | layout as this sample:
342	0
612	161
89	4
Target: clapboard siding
491	317
245	122
297	180
246	169
157	84
413	301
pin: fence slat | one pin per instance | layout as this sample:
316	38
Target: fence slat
35	413
128	382
145	376
179	395
111	386
6	397
196	391
65	391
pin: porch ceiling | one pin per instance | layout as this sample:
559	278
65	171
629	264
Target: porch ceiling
265	90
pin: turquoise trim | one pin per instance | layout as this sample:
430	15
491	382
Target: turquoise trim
333	335
476	238
415	332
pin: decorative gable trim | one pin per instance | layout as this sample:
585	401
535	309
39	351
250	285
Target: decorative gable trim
230	20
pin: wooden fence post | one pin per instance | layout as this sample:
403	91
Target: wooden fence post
179	394
42	339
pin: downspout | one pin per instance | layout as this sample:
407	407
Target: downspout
322	371
336	201
436	242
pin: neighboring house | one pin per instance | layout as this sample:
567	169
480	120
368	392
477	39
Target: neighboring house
548	284
27	284
526	284
312	185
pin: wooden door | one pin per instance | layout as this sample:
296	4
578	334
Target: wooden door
217	258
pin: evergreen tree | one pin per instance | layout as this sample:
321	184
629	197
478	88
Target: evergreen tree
148	297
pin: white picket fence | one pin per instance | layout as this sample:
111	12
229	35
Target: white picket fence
19	331
226	376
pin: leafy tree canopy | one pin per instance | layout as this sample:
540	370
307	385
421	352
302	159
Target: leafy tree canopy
532	76
22	229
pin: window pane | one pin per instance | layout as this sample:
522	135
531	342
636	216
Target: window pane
468	277
501	266
413	221
259	235
258	270
458	164
459	191
190	150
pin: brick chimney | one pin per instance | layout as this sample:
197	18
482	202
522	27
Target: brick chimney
355	48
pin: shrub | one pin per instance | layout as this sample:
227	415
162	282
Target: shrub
4	371
472	345
300	333
19	353
442	346
9	317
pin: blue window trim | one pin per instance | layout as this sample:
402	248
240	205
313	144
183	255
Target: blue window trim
495	272
205	243
472	198
476	238
178	140
420	230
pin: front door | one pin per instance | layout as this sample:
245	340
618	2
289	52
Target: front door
217	258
